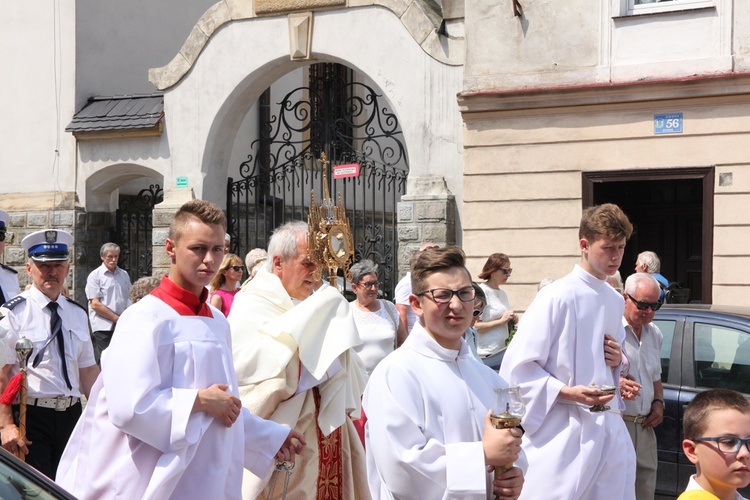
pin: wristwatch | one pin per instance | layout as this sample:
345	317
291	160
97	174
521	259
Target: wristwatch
658	401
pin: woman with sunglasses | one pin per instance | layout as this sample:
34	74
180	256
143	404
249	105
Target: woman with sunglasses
492	326
224	284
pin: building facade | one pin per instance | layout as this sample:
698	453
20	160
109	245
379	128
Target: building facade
641	104
513	116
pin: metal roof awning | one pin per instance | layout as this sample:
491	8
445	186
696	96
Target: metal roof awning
119	116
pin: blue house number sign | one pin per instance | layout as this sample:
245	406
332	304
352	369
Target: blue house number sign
668	124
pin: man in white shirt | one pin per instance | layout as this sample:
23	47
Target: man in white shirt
641	387
403	291
556	358
61	367
108	289
428	403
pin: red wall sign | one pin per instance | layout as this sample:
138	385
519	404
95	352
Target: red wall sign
346	170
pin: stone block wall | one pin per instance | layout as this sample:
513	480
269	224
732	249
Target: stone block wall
427	213
89	231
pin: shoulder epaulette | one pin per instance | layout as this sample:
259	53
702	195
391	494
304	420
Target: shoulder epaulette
14	302
8	268
76	303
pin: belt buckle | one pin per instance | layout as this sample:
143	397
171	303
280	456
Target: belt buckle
61	404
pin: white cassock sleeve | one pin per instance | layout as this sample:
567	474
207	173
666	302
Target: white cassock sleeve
263	439
410	463
147	404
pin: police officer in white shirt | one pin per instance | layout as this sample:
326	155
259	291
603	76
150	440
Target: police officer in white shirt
8	275
108	289
61	367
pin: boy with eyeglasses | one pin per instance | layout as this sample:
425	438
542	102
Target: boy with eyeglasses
556	358
716	426
428	432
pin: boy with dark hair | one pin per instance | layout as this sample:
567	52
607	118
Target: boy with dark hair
716	426
164	419
559	366
429	433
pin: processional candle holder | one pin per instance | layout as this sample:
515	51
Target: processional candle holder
23	352
330	239
507	410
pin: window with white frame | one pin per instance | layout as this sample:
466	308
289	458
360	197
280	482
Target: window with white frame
651	6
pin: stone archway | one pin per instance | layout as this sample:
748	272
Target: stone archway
209	91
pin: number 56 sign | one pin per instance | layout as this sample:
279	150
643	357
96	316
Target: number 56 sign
668	124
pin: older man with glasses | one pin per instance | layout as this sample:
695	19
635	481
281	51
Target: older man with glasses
641	385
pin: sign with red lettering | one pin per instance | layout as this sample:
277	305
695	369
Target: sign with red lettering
346	170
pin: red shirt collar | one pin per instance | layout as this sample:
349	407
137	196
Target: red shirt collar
181	300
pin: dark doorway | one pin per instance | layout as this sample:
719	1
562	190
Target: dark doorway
672	214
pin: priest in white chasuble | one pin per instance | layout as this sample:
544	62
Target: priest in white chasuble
294	363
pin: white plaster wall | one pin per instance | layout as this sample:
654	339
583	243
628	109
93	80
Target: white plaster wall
117	42
106	165
581	42
36	96
207	107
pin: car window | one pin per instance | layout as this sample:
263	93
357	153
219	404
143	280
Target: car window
667	329
722	357
15	485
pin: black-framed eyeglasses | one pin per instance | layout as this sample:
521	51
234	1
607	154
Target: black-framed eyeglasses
506	270
444	295
237	268
642	306
727	444
476	313
369	284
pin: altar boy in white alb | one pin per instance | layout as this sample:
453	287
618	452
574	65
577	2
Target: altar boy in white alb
428	431
556	355
164	419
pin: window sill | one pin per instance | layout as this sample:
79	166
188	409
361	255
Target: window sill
665	12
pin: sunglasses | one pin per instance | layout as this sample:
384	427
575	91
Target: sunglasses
237	268
506	271
477	313
431	247
642	306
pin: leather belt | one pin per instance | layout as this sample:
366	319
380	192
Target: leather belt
60	403
636	419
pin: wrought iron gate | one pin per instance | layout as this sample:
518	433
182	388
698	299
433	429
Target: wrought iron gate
348	121
133	231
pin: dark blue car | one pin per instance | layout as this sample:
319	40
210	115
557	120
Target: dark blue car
704	347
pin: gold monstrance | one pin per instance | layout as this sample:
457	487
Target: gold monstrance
330	240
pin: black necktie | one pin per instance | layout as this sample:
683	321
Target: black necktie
2	297
56	332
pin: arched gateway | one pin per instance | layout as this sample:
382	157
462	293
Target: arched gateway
394	114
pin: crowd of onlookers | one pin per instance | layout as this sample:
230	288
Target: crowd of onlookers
407	377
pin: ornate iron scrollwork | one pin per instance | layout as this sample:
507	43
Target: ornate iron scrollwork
133	231
347	121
